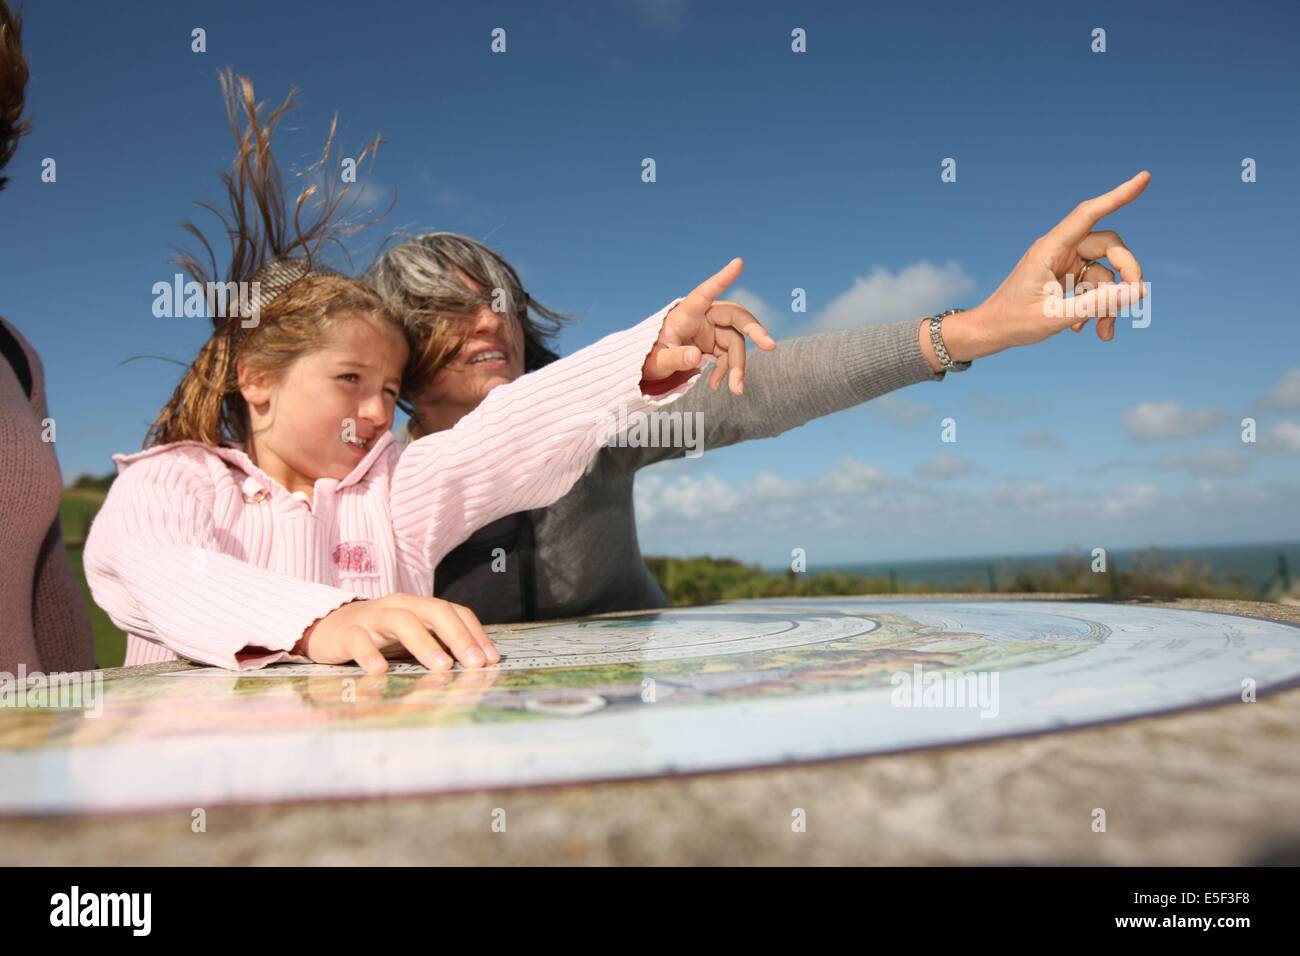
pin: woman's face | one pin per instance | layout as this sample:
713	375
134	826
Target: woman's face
493	354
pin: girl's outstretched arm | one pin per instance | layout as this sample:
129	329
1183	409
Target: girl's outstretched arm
525	445
528	442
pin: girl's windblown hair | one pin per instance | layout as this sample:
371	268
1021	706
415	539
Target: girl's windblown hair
279	300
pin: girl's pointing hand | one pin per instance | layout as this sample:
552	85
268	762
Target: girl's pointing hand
700	326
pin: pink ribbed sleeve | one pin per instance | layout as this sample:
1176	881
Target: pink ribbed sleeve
153	565
524	446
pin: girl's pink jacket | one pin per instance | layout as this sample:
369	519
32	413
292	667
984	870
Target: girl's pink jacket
199	554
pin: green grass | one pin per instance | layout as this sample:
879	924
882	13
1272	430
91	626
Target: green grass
110	643
75	511
79	505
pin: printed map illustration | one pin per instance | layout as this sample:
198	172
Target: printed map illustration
742	684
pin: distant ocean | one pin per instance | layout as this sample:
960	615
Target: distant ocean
1257	563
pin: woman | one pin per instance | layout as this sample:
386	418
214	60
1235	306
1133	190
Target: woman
580	555
43	622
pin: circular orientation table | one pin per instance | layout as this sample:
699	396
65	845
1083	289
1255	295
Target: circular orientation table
935	729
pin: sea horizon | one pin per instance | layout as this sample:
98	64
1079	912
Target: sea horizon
1257	563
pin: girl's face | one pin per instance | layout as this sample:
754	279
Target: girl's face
493	354
323	414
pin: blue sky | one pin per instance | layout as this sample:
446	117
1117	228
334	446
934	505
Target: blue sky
821	169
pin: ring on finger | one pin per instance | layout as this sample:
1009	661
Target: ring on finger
1087	264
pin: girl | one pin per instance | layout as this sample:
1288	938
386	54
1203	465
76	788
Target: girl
273	518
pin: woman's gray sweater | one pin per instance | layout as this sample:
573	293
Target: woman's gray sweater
580	555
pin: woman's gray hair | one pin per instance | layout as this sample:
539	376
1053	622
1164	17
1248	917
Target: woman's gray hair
421	279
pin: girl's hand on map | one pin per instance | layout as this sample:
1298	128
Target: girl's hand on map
429	629
1030	306
699	326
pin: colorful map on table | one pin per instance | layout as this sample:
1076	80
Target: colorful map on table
685	690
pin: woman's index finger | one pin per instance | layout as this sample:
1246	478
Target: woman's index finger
1086	215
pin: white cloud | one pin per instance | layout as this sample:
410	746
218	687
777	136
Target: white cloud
1286	435
856	511
944	466
1157	421
673	494
901	412
769	487
1037	499
704	501
685	498
995	408
919	289
771	319
1221	462
1286	393
1026	495
1041	438
1129	499
852	477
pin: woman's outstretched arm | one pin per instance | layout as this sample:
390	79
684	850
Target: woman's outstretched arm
817	375
804	379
